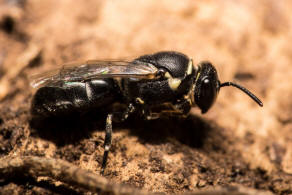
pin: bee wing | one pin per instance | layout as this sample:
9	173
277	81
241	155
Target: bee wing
94	70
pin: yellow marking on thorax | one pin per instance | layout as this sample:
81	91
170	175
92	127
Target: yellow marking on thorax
190	67
174	83
167	75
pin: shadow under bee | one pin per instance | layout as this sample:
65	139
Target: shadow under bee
68	129
191	131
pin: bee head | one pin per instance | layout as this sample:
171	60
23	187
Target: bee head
207	87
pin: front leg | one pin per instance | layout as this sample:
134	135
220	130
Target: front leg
184	106
181	109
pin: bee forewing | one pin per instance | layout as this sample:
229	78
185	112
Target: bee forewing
94	70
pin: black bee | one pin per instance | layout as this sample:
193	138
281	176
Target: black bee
151	86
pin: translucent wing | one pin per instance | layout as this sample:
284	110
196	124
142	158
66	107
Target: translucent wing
94	70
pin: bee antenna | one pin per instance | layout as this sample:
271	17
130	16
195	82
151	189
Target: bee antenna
246	91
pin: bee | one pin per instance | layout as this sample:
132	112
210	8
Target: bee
150	86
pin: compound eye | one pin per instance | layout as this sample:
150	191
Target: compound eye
206	86
206	96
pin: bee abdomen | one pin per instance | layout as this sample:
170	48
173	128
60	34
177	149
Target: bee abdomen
73	97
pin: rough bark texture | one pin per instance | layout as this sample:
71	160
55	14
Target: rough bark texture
237	147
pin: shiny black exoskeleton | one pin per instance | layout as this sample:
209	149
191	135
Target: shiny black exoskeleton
67	98
164	83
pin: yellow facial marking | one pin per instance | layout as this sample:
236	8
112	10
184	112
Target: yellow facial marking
198	75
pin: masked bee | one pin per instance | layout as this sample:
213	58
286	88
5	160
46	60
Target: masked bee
151	86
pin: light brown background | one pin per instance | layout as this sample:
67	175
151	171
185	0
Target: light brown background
248	41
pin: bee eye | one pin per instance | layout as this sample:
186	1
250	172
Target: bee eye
207	87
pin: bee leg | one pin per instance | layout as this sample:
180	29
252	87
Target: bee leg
130	109
107	141
184	106
109	129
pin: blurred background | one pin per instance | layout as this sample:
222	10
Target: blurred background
249	42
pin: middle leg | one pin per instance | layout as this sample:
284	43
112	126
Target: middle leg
109	129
